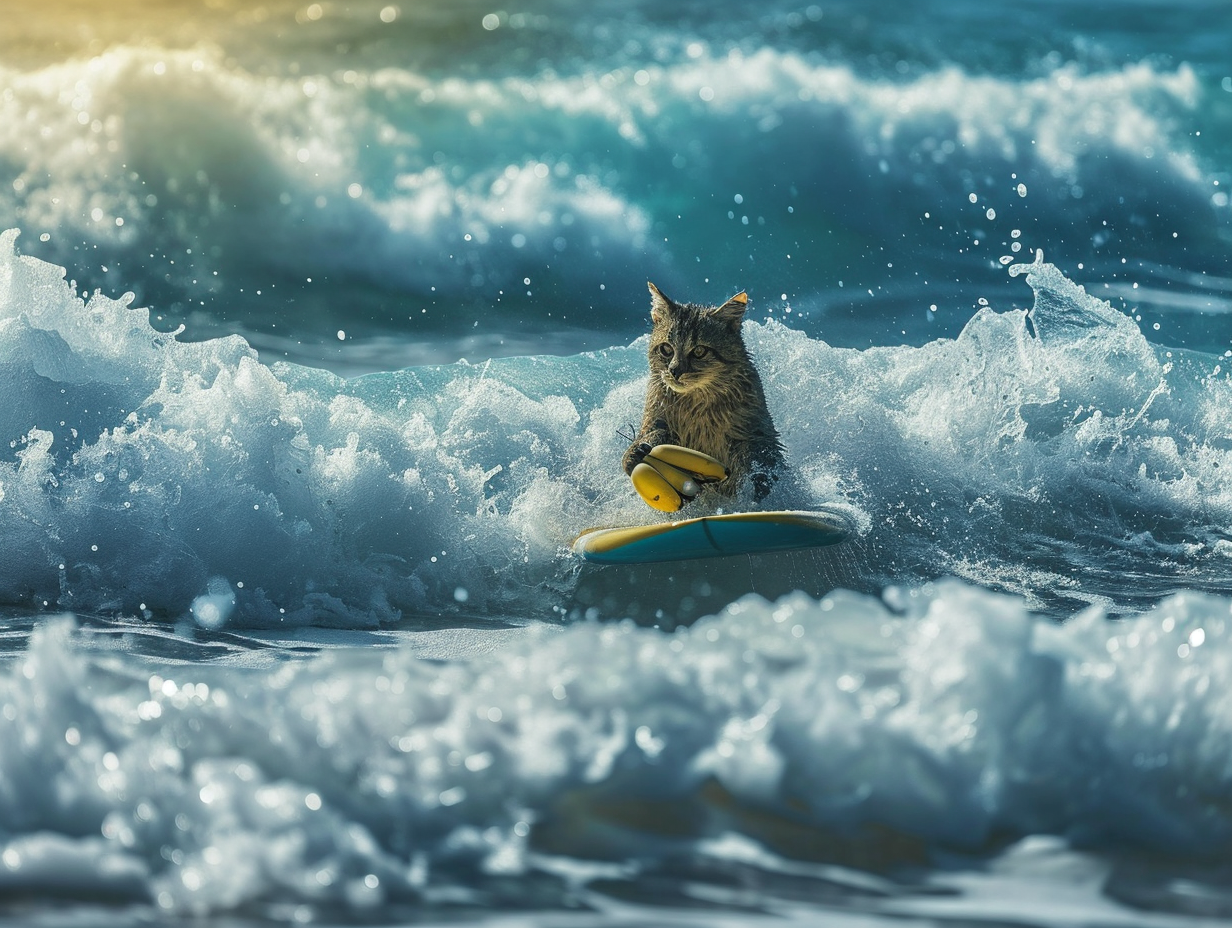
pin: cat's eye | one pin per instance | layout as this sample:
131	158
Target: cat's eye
666	350
700	351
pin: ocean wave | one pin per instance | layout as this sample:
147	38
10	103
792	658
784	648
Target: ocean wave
201	184
144	472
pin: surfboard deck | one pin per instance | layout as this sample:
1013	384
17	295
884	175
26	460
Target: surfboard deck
712	536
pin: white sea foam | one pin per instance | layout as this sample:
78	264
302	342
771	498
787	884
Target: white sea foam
362	777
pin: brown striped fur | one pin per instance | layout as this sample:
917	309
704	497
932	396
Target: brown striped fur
704	392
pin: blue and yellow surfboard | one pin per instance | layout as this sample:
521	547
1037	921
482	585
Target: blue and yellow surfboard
712	536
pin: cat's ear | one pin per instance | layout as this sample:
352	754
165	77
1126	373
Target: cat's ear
660	305
732	312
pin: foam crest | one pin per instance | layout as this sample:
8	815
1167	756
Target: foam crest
962	447
188	144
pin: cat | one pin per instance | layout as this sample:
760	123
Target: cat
705	394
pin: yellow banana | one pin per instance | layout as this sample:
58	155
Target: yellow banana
681	481
703	467
654	489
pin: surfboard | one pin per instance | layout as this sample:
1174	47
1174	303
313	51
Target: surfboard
712	536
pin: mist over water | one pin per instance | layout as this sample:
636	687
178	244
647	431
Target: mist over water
289	626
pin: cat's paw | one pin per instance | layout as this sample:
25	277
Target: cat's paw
634	456
763	483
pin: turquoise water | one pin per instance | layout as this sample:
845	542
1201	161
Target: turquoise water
318	327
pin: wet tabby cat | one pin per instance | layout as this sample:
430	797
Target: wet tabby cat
705	394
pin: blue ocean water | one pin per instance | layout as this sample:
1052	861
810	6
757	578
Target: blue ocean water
319	324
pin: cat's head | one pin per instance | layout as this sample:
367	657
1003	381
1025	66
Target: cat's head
692	346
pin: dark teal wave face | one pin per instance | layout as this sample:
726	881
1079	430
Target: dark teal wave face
366	185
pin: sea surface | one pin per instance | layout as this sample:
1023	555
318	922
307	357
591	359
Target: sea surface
319	327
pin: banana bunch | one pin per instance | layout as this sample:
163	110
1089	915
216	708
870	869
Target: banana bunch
671	475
